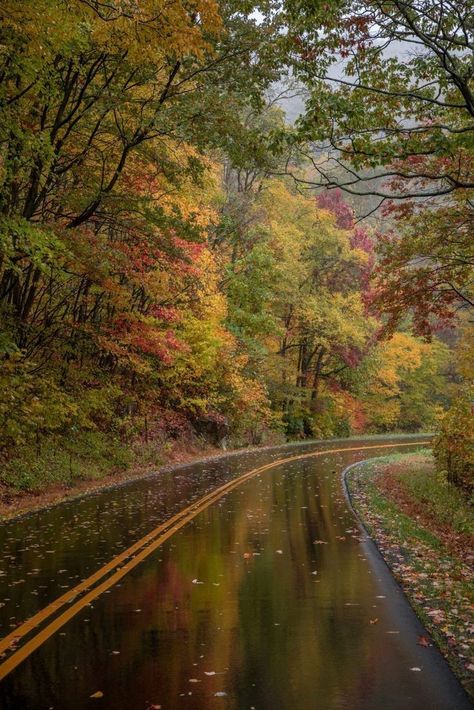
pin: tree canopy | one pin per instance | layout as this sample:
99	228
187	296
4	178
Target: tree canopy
177	261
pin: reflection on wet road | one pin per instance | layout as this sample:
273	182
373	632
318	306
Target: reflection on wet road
271	598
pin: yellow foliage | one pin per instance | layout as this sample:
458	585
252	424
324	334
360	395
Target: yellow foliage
392	363
465	354
136	27
454	445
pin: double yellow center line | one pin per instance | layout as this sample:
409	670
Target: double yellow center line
119	566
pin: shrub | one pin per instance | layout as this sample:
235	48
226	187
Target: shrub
454	445
75	456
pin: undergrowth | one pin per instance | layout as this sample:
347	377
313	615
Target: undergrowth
88	455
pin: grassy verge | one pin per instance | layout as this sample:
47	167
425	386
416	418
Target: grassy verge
90	456
37	477
425	531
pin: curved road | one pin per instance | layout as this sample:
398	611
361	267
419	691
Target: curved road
243	582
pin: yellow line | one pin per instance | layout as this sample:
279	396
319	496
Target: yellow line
143	548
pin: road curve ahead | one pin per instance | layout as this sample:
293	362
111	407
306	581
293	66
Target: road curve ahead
240	583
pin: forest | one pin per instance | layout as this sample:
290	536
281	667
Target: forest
183	265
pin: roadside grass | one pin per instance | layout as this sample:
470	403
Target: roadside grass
87	456
423	532
397	522
90	456
67	461
442	500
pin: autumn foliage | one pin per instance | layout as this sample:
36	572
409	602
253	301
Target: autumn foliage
161	278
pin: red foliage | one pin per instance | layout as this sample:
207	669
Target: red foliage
142	337
357	417
360	239
167	314
333	201
350	356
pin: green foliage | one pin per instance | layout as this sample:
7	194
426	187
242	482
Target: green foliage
454	445
31	407
395	113
250	290
445	502
75	456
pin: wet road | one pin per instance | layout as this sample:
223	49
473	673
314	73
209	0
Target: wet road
269	598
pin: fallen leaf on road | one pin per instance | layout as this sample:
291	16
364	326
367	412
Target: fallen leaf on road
98	694
423	641
374	621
